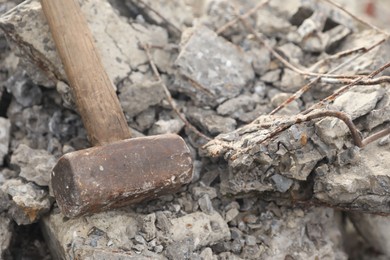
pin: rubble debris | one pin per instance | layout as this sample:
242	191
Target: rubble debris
115	38
201	228
243	202
29	202
224	76
209	120
374	229
136	98
35	165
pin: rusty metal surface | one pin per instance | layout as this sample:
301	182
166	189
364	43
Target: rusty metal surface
120	174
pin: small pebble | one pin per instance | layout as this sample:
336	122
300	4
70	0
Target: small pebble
205	204
250	240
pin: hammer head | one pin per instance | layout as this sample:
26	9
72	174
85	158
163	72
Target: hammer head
120	174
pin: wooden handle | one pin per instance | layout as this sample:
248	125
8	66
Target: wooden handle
93	90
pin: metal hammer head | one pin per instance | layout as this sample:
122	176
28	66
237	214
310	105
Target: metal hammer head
121	173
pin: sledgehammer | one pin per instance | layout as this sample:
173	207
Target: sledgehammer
118	171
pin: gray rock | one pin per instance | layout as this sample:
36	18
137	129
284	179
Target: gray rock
360	185
167	126
24	91
236	246
29	202
5	201
146	119
182	249
205	204
211	122
163	223
237	107
204	229
261	60
200	191
250	240
375	230
5	131
149	227
271	76
231	214
5	235
207	254
35	165
115	38
282	183
359	101
292	51
113	228
291	81
218	66
136	98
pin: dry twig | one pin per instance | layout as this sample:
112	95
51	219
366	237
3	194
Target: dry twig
168	95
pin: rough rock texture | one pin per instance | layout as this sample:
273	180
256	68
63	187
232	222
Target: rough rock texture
35	165
261	190
115	38
28	202
5	128
226	73
5	235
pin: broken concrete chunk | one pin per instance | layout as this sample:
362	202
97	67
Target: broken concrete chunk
237	107
5	131
360	185
136	98
360	100
167	126
291	81
211	68
210	121
105	236
116	39
374	228
204	229
35	165
149	227
29	202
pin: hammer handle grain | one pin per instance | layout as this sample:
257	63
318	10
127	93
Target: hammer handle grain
92	89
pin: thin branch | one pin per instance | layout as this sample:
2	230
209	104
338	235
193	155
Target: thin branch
168	95
376	136
246	15
357	18
356	137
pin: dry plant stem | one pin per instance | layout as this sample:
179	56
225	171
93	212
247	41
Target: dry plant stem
304	118
286	62
342	90
376	136
362	82
308	86
246	15
178	31
359	51
357	18
168	94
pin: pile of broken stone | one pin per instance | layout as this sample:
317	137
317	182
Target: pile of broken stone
254	195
